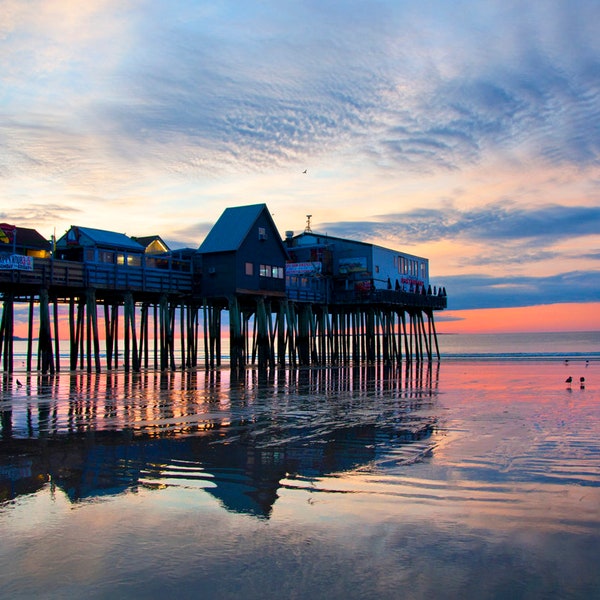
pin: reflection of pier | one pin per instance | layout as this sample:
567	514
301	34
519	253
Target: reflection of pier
94	435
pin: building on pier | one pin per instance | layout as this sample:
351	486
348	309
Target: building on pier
324	268
308	299
22	241
243	254
153	244
85	244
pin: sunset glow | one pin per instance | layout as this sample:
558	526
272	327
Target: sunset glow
468	136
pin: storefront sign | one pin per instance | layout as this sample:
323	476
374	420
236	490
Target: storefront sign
357	264
303	268
16	262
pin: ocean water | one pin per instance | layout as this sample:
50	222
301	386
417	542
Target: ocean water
474	477
569	345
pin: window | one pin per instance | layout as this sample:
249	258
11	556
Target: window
262	233
249	269
272	271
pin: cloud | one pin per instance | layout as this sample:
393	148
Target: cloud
131	105
494	222
193	88
252	99
482	291
263	88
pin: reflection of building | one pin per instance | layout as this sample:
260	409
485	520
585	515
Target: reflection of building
244	474
236	438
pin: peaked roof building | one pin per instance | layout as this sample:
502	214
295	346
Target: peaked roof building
233	227
243	254
153	244
23	240
88	236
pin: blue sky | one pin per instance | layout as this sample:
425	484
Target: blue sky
467	132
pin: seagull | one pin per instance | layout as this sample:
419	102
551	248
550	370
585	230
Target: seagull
305	171
19	384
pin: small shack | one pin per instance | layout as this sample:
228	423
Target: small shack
153	244
85	244
243	254
23	241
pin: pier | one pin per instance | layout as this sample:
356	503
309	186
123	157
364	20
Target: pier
150	311
126	308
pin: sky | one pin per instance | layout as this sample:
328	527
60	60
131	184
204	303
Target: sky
467	132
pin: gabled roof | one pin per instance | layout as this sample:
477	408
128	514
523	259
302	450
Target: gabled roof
146	240
25	237
101	237
233	226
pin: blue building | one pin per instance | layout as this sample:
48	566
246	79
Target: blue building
323	268
243	254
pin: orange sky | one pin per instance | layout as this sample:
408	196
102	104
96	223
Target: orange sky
549	317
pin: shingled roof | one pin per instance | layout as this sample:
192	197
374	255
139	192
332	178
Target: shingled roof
231	229
102	238
25	237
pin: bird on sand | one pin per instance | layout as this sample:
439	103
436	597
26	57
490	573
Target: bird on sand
582	380
568	380
19	384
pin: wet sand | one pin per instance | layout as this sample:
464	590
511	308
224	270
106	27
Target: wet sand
465	479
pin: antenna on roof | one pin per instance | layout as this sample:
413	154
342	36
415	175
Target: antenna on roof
307	229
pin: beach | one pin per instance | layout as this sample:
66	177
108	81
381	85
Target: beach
469	477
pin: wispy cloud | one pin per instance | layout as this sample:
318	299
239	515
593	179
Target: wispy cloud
499	221
270	84
482	291
136	106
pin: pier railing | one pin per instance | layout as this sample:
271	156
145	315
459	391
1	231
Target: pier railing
390	297
173	276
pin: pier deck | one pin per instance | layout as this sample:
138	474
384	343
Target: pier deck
165	306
